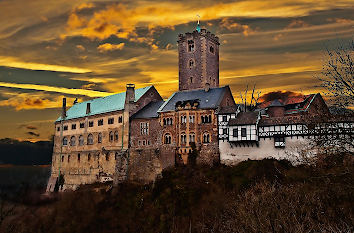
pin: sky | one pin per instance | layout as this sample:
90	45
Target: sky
50	49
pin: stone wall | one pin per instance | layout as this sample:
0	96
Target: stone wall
232	154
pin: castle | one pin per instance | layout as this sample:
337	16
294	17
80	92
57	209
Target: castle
134	135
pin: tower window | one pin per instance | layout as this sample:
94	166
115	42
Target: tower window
191	63
211	49
190	46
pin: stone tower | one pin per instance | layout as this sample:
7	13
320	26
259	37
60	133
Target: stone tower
198	54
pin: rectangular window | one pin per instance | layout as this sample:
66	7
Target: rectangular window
279	141
183	119
190	46
144	128
90	123
82	125
224	118
243	132
191	119
58	129
235	132
110	121
100	122
120	119
224	131
206	119
65	127
73	126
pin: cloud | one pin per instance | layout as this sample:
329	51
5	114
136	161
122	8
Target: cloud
16	63
80	47
297	23
282	95
31	127
234	26
110	47
83	92
340	20
31	133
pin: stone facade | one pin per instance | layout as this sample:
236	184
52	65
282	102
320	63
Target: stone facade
198	60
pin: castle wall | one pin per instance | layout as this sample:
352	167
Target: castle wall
208	151
232	154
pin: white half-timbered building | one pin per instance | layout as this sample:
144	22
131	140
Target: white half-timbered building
281	131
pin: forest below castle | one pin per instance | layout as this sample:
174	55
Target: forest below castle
254	196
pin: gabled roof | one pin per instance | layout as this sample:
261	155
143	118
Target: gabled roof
276	103
244	118
102	105
148	111
207	99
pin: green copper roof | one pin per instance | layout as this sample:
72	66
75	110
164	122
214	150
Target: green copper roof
102	105
198	27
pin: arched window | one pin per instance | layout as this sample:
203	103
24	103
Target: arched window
107	157
191	137
191	79
65	141
99	138
183	138
116	136
211	49
89	157
68	158
167	138
81	140
111	136
78	157
191	63
90	139
72	141
62	158
206	138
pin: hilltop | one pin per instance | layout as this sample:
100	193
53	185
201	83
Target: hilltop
254	196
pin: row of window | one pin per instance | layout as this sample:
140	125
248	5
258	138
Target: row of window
90	123
205	139
90	140
235	132
144	142
191	47
107	157
205	119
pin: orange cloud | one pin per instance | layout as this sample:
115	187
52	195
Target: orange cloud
15	63
230	25
340	20
80	47
89	93
297	23
109	47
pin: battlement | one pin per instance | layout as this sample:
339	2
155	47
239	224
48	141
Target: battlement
203	32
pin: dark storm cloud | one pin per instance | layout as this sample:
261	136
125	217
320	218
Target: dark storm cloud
31	133
282	95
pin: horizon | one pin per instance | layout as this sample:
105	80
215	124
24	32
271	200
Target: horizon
88	49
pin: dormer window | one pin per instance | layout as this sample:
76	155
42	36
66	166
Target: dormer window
190	46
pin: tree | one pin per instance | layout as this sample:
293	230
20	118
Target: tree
337	75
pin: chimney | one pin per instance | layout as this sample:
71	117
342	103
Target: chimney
207	87
130	94
88	108
63	113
